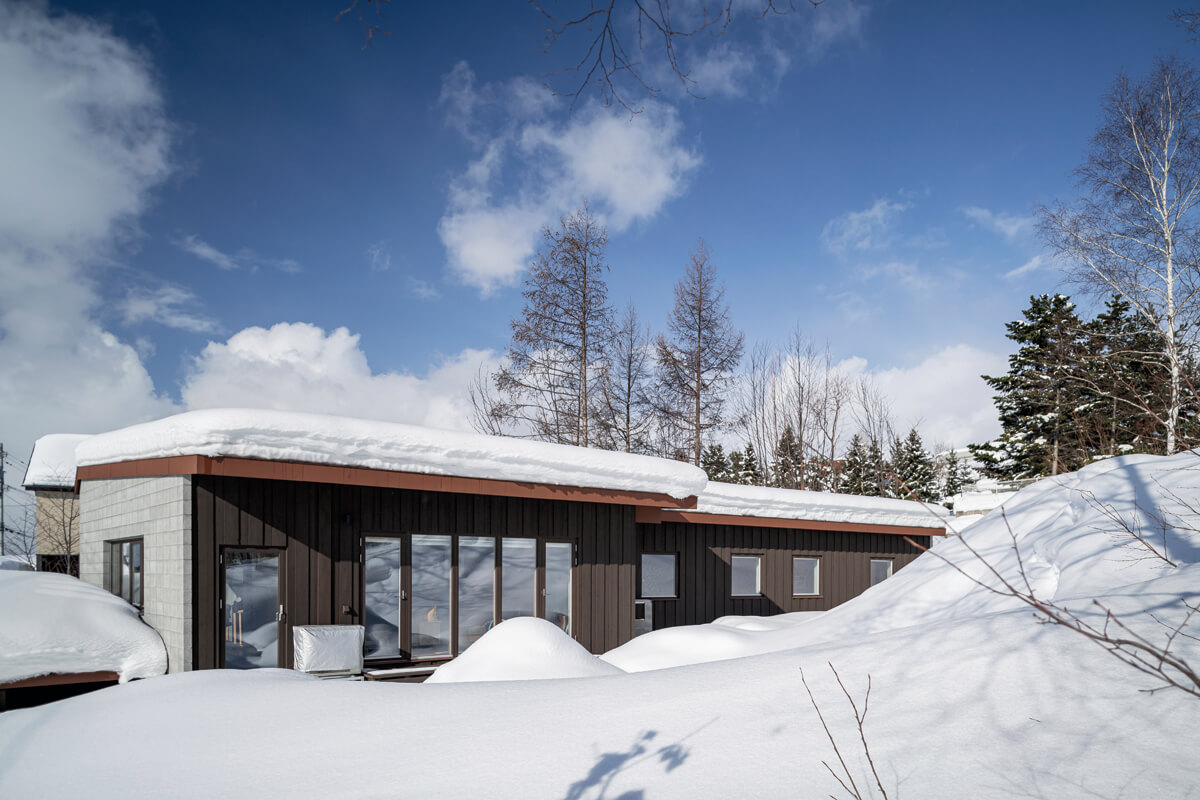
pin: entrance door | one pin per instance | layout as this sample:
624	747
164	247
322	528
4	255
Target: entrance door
253	614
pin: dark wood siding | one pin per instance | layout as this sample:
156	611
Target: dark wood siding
321	527
703	554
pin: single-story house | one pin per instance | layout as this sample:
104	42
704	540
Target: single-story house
230	527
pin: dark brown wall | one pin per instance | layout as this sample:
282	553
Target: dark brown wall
322	526
703	571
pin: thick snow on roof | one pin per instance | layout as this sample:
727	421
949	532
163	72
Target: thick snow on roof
759	501
1031	710
52	463
52	623
322	439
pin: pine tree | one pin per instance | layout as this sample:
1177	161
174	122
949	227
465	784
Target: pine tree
1040	398
695	366
854	477
737	467
716	464
752	474
912	470
876	471
956	476
786	469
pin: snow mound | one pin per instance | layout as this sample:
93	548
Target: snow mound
760	501
342	441
52	623
52	463
522	649
15	563
724	638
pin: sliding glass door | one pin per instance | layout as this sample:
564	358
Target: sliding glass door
431	596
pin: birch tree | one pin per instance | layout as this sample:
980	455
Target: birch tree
696	365
1133	232
560	342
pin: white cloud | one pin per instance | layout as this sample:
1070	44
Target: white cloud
832	23
905	273
1032	265
245	257
300	367
378	257
943	395
422	289
532	169
1010	226
206	252
167	306
723	70
869	229
83	141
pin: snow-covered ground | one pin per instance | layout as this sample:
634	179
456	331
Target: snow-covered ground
52	623
970	697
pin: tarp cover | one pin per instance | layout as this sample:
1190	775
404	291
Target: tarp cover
329	648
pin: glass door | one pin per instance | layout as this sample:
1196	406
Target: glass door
557	591
251	587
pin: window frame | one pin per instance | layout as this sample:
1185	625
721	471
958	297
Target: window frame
115	575
891	562
761	557
817	578
674	578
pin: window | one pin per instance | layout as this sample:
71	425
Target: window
806	576
881	570
747	576
658	575
125	563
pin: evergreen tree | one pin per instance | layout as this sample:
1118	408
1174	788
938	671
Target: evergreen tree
716	464
912	470
752	474
1040	398
956	476
854	477
786	469
737	467
876	484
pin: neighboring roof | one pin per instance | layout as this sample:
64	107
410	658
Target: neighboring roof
52	463
285	436
758	502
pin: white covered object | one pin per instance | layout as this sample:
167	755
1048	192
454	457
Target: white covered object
324	439
52	463
760	501
52	623
523	649
329	648
15	563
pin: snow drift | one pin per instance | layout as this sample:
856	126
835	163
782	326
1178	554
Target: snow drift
523	649
970	697
52	623
323	439
52	463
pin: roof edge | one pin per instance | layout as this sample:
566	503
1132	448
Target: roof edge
655	516
238	467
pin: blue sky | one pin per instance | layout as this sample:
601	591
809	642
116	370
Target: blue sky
189	173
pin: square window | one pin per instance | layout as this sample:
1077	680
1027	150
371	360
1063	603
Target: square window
881	570
806	576
658	575
747	576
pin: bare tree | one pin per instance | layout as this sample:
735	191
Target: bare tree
845	777
625	415
615	38
544	391
1134	231
57	514
695	367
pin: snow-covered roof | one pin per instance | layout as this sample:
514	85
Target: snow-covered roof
52	463
798	504
52	623
392	446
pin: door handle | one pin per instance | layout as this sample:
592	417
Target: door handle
279	615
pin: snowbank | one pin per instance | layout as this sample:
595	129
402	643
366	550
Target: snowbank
15	563
52	623
523	649
724	638
759	501
970	697
52	463
322	439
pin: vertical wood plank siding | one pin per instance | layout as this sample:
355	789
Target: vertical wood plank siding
321	527
703	554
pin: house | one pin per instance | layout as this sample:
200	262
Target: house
229	527
51	478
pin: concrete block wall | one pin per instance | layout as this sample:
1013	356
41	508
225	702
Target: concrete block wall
159	511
